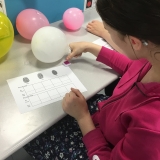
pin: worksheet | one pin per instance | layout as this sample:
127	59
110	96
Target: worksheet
38	89
102	42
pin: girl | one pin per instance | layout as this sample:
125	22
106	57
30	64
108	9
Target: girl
126	125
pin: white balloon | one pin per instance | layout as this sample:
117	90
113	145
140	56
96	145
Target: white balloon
49	44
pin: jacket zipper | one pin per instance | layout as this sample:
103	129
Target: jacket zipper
118	97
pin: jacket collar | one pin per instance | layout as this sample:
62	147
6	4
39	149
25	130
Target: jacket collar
149	89
134	73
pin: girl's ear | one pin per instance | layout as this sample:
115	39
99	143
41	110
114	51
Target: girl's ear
136	43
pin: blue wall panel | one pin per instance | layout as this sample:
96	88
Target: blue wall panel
52	9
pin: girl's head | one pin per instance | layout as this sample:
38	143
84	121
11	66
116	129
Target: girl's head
132	22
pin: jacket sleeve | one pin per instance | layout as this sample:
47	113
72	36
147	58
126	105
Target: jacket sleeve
137	144
118	62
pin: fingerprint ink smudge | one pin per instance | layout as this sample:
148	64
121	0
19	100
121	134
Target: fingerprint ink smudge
54	72
40	75
25	80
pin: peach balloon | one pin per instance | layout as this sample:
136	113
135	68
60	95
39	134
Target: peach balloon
73	18
29	21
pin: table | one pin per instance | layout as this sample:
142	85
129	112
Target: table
18	129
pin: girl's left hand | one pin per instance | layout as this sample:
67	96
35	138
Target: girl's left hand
75	104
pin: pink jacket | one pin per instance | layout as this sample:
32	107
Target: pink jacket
128	123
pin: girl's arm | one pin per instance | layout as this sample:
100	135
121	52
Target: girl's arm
113	59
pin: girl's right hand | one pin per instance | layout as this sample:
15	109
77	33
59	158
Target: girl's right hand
77	49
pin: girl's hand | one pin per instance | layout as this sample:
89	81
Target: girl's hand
75	104
96	28
77	49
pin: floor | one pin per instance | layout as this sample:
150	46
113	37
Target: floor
22	154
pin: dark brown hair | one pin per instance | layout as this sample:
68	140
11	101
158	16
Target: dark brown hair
139	18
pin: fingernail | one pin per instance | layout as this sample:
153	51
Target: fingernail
69	49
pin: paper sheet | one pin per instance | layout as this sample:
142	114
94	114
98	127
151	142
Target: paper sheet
44	87
102	42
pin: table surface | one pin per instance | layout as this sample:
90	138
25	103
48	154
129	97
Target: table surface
18	129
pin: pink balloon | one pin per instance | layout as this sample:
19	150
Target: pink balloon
29	21
73	18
